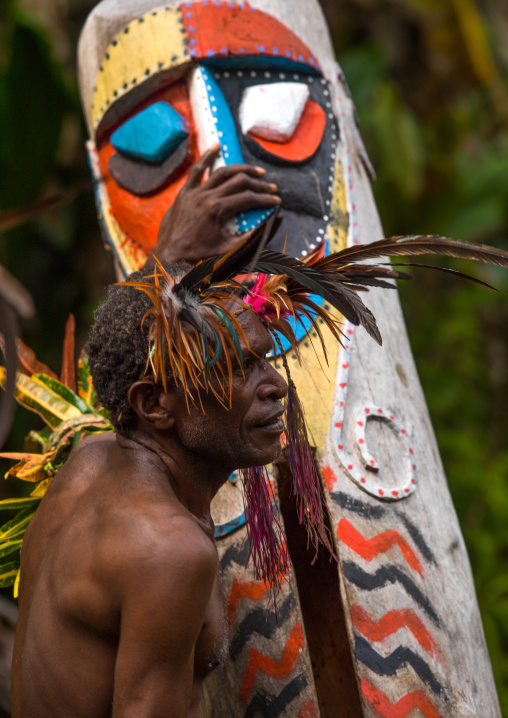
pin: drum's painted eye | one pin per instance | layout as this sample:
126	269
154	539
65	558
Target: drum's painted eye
272	112
151	135
283	120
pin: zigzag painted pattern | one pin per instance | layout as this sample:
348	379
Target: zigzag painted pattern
262	621
390	623
402	657
413	552
271	667
372	547
385	575
384	708
242	591
274	706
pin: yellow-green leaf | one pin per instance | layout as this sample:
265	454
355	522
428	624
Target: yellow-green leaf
15	590
85	386
8	573
22	503
9	547
36	396
41	488
31	466
17	455
64	392
17	525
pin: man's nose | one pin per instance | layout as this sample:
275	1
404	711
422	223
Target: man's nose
274	386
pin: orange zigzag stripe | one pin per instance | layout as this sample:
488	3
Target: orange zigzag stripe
370	548
255	590
269	666
383	708
390	623
308	710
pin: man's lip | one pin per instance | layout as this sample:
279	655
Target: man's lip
271	421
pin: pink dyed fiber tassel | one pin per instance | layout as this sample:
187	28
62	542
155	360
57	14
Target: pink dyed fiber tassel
306	482
268	548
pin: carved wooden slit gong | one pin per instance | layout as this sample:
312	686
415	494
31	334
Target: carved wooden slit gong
261	79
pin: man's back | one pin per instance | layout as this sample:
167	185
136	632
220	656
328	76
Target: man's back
98	557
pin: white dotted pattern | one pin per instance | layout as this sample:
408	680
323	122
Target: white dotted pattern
366	473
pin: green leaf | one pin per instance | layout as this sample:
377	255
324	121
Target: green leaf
36	396
58	388
18	503
17	525
86	388
10	547
8	573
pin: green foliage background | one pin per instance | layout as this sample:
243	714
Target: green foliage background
429	81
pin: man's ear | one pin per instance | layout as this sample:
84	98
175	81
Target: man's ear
152	404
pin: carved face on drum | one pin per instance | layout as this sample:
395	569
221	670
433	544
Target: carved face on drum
176	81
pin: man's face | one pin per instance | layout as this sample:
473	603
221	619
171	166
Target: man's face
249	433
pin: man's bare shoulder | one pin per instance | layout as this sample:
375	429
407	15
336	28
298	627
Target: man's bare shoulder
160	552
124	512
152	538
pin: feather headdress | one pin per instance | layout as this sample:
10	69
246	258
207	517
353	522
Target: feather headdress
194	332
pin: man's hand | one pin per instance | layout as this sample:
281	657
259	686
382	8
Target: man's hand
193	228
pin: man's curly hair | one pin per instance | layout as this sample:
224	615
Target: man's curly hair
118	346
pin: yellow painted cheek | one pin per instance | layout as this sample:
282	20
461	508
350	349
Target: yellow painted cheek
315	379
147	47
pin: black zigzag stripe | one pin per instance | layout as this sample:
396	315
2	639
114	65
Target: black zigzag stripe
417	537
400	658
237	553
260	621
272	706
356	506
389	574
348	503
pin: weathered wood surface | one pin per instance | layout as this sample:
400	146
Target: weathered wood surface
413	618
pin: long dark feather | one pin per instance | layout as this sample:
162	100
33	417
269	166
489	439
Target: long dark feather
413	245
229	264
447	270
334	291
358	271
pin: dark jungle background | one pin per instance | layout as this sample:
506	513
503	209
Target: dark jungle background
429	81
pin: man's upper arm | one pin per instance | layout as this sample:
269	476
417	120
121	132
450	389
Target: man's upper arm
163	600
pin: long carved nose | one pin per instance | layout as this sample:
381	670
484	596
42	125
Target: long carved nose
215	125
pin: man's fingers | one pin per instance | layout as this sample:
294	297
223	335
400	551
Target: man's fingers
229	206
199	168
224	173
241	183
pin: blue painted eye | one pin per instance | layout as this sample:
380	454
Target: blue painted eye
152	135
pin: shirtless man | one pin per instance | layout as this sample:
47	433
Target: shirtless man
121	613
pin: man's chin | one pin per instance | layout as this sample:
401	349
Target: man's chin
271	455
262	457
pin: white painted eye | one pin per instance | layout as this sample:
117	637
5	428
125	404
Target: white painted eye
272	112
